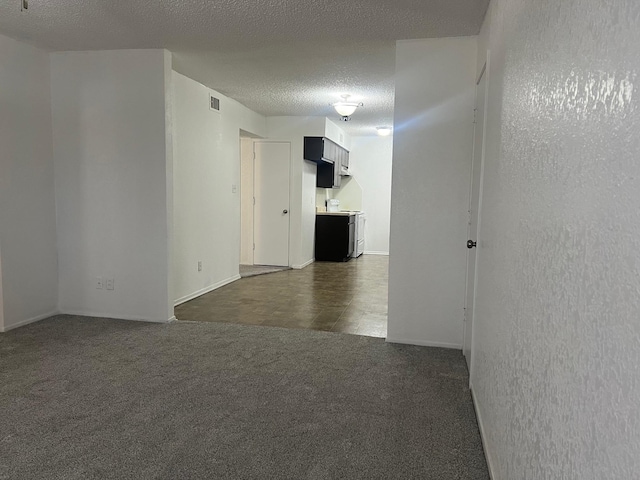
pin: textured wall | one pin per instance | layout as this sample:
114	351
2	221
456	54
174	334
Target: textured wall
557	350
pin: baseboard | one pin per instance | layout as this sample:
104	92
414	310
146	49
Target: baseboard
22	323
306	264
208	289
133	318
487	456
424	343
172	319
373	252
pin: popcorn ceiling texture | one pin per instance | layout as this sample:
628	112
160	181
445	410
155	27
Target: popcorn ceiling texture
276	57
556	370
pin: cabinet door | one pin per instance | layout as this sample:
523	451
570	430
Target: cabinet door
313	147
325	176
333	150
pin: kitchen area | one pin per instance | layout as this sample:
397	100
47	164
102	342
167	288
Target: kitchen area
340	221
343	289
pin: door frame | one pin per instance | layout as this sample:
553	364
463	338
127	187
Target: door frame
290	197
470	329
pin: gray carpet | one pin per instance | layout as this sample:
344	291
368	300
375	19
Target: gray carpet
253	270
88	398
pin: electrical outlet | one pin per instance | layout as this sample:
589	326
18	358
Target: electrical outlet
99	283
110	284
234	188
200	266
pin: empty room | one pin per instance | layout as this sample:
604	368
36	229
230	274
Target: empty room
445	194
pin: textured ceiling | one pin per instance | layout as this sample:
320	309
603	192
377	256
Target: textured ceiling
277	57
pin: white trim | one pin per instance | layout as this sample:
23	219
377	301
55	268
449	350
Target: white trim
172	319
6	328
305	264
204	290
132	318
373	252
487	456
422	343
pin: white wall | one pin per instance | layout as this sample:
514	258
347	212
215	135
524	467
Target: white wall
28	286
207	216
432	150
557	336
335	133
303	183
350	194
112	159
370	164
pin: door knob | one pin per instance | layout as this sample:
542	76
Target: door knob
471	244
285	211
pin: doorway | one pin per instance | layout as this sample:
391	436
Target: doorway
475	204
265	203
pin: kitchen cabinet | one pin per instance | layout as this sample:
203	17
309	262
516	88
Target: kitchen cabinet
335	237
328	176
329	156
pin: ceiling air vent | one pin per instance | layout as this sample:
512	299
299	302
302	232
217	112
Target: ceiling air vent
214	103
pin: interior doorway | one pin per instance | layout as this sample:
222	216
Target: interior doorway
265	203
475	204
272	164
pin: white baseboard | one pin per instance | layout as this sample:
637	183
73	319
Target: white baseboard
373	252
22	323
306	264
134	318
173	319
487	455
208	289
422	343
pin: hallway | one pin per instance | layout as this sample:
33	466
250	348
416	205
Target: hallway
346	297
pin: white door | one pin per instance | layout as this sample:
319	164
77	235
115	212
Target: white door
271	210
474	207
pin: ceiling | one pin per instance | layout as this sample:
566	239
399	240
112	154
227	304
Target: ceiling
277	57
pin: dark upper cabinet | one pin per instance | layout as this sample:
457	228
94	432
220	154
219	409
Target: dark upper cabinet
328	175
314	149
329	156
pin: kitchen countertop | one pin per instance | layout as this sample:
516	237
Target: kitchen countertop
338	214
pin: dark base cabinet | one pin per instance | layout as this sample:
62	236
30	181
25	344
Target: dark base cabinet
335	237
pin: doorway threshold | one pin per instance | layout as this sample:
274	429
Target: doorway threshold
253	270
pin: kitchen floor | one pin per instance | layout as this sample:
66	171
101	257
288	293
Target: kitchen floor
346	297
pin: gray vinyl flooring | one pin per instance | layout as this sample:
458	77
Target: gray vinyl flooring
349	297
86	398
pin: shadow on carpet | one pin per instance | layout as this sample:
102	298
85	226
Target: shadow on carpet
85	398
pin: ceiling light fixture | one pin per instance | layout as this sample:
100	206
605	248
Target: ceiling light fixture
384	131
345	108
